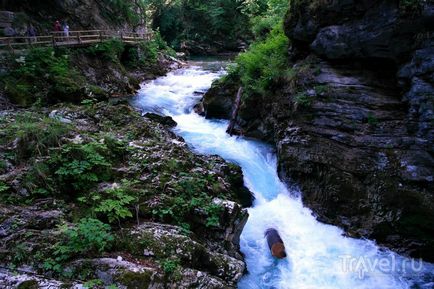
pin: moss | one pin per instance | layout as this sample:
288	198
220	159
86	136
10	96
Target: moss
135	280
97	92
28	284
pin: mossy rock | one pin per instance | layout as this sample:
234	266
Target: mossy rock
135	280
28	284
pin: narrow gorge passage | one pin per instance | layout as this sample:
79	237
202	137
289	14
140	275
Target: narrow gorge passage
319	256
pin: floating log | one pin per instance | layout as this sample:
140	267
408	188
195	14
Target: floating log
275	243
235	112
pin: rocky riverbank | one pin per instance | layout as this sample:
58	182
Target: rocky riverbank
172	216
352	117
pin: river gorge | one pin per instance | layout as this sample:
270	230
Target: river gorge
319	255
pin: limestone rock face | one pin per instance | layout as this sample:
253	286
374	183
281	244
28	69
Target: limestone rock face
360	145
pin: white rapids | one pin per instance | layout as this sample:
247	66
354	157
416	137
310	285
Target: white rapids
319	255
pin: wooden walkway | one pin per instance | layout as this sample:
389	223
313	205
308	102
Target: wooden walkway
75	38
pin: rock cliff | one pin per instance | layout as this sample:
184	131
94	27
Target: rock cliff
353	126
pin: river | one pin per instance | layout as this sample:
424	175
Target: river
319	255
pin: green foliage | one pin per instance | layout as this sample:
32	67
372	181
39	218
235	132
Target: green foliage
88	237
264	63
94	283
36	134
110	50
302	100
170	265
146	53
113	203
42	73
19	253
268	14
38	180
191	197
81	166
209	22
3	187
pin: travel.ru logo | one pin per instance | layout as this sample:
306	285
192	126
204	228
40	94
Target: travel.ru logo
363	265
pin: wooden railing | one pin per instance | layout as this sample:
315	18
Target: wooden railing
74	38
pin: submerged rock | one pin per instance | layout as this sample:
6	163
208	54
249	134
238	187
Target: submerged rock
164	120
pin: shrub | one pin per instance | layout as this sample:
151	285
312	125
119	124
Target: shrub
170	265
113	203
110	50
191	198
264	63
88	237
42	73
146	53
271	16
38	180
302	100
36	134
81	165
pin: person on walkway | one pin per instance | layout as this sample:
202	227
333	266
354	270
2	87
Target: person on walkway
57	26
66	30
31	33
57	31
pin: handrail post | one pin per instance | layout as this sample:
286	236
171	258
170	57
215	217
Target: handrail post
100	36
53	39
78	37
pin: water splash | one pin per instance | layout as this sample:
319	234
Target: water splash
319	256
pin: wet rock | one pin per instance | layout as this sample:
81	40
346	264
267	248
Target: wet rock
164	120
219	99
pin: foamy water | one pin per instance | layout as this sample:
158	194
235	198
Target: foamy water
319	256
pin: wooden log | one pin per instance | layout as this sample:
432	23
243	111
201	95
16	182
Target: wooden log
235	112
275	243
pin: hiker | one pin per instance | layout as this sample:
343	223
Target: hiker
31	33
57	26
66	29
57	31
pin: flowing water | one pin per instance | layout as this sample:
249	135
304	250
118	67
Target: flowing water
319	256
